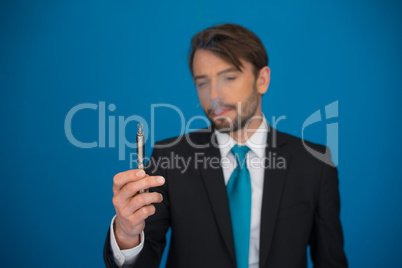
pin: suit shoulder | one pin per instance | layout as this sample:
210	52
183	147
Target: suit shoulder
305	150
295	143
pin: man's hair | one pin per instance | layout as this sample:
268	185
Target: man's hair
231	42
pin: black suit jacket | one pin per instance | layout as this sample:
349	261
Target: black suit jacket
300	207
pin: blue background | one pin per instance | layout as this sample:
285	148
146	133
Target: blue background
56	198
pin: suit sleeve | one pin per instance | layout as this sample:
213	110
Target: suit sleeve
156	225
327	236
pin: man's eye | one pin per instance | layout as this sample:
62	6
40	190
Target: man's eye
231	78
201	84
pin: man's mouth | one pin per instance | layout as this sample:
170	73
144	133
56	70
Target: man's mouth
218	109
220	112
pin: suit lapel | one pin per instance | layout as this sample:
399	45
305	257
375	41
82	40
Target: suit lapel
274	181
215	186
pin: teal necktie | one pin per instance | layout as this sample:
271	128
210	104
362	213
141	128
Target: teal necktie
239	195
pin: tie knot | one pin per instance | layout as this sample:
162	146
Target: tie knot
240	153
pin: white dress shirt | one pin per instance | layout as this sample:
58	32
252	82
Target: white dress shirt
257	144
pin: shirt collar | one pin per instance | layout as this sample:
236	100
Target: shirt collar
257	142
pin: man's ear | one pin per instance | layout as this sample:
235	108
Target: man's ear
263	80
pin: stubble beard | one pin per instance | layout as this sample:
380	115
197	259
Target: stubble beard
244	113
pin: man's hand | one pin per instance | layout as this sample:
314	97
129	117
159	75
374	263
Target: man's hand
132	208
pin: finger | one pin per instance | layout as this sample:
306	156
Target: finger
139	201
142	214
122	178
116	191
132	188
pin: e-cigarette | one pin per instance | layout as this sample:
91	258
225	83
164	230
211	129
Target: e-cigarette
140	150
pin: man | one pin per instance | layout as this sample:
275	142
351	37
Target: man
250	197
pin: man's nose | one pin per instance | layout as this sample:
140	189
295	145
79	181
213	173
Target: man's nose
215	91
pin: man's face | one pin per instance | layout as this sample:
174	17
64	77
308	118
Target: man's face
228	96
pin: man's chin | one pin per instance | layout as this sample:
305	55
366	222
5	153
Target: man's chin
224	126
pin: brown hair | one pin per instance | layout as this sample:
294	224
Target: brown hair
231	42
